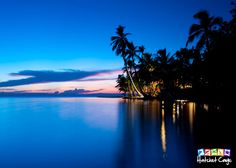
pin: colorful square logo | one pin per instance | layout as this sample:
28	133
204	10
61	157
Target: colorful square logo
200	152
227	152
207	152
214	152
220	152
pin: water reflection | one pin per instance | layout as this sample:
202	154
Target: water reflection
108	133
154	132
163	129
149	135
191	110
205	107
174	113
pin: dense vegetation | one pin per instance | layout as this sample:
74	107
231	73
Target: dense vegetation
205	70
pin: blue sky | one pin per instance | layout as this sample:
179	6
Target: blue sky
75	34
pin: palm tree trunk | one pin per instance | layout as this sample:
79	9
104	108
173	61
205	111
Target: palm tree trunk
131	79
137	79
132	82
138	83
129	88
207	40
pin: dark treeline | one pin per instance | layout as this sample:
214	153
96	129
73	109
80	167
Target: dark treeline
204	70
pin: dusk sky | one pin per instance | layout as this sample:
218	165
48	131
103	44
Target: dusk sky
58	45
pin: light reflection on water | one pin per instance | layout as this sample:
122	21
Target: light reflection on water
150	138
98	132
163	131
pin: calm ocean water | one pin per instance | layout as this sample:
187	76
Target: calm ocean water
106	132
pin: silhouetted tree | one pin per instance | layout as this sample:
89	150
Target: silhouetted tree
165	71
203	30
184	60
119	45
207	67
122	84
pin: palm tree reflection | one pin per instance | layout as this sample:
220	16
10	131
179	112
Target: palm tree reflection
191	111
148	131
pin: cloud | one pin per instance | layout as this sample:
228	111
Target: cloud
8	89
79	91
34	77
49	91
97	79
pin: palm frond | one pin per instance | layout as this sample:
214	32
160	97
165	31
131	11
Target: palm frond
193	36
201	15
200	43
194	28
216	23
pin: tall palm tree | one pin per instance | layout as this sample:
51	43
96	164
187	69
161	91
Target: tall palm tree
119	45
203	30
120	41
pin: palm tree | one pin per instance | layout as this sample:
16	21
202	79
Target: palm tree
119	42
165	69
164	58
145	59
146	72
119	45
122	84
203	30
184	59
233	10
141	49
131	54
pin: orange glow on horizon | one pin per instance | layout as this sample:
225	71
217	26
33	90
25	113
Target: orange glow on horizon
103	86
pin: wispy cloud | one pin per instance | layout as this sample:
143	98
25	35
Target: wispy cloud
35	77
79	91
96	79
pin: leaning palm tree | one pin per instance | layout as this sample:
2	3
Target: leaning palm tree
133	56
203	30
119	45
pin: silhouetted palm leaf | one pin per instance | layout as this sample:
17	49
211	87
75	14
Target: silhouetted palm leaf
203	30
